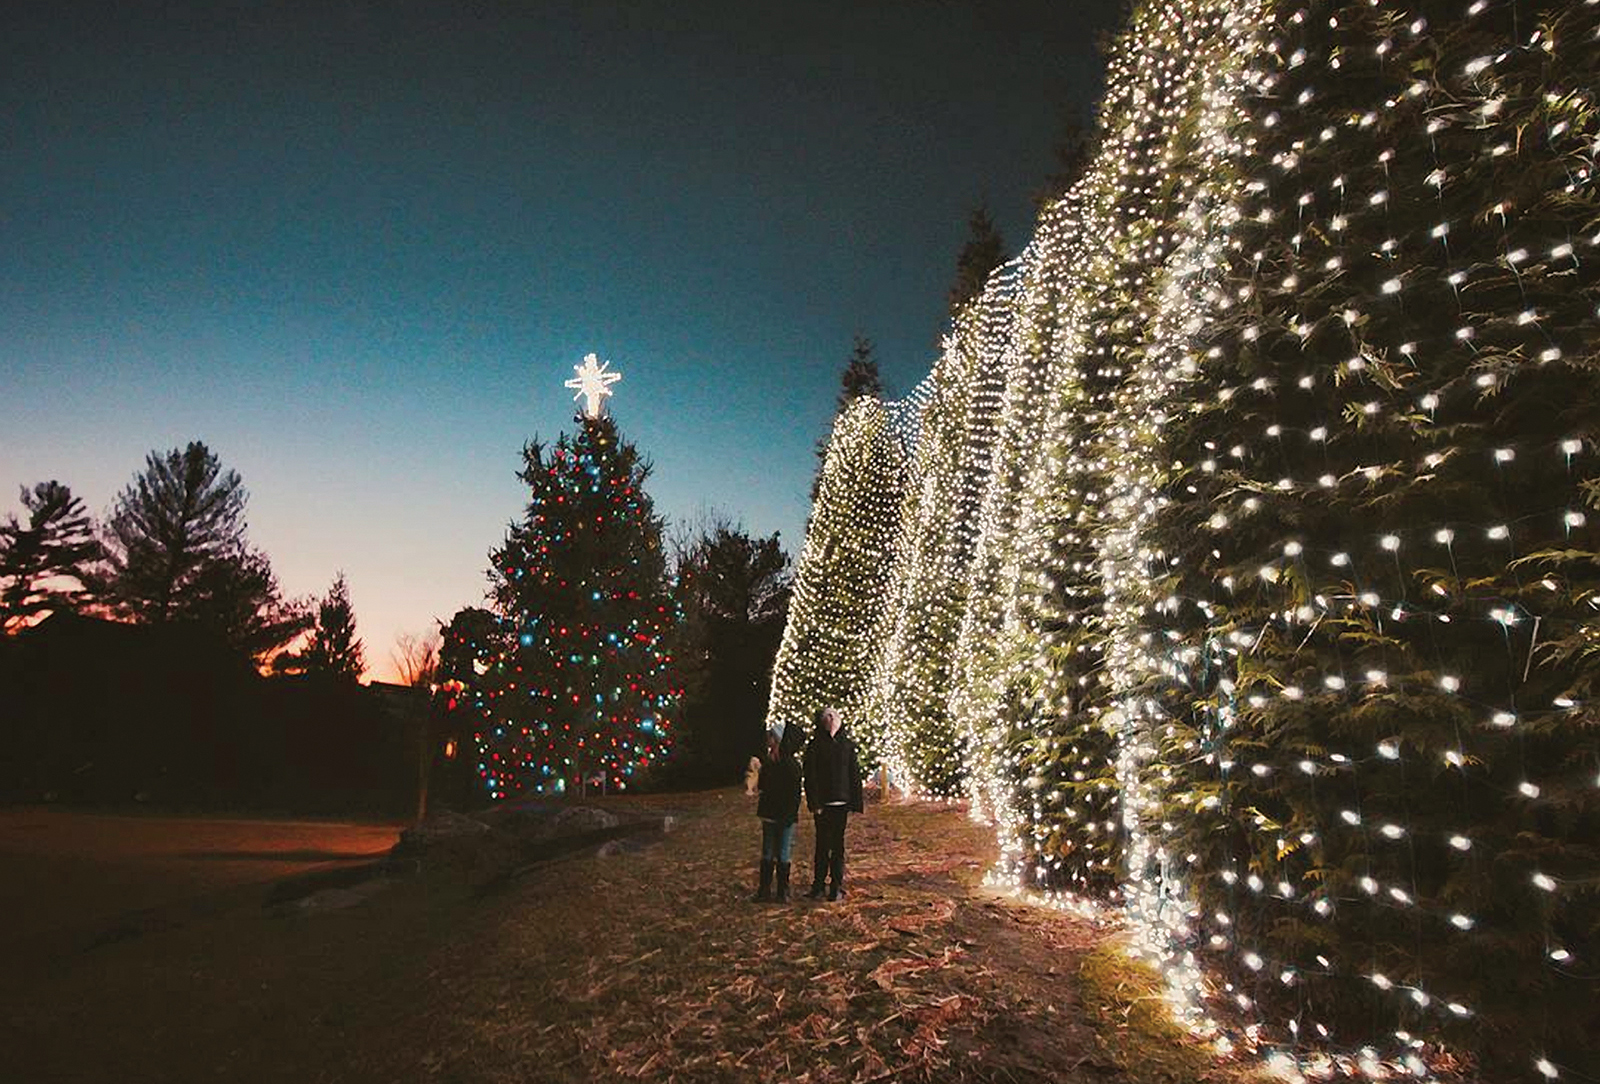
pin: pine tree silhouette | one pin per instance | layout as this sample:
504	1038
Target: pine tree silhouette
44	561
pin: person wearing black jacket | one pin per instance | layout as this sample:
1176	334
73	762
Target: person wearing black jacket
833	792
779	808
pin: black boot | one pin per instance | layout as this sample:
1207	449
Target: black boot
783	882
818	887
764	893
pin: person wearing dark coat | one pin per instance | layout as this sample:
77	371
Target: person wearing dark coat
833	792
778	806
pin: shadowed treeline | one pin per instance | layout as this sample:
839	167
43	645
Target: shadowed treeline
104	712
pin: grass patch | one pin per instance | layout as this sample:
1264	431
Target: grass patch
1125	1000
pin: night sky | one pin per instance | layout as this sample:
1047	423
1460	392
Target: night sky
357	247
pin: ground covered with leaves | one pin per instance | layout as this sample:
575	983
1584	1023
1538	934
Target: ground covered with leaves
642	962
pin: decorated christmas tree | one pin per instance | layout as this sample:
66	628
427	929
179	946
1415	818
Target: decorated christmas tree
571	681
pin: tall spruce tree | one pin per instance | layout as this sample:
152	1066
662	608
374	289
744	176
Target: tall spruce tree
836	616
586	683
235	597
472	648
182	512
175	552
860	377
1071	154
334	649
43	561
984	250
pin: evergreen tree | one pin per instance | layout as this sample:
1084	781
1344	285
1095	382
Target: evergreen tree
471	646
938	515
334	648
585	683
1071	154
984	251
178	516
235	597
735	594
43	562
860	377
175	552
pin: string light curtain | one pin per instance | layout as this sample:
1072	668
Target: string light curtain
1244	572
829	654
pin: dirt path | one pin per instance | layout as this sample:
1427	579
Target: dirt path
644	964
658	969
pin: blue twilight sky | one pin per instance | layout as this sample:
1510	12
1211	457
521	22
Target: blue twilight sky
356	246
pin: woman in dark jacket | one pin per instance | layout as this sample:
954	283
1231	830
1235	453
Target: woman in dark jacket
779	808
833	792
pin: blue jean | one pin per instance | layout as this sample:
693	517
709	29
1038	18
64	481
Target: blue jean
777	840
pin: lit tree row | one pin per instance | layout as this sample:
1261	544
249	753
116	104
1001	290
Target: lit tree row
829	654
1375	558
948	475
1245	552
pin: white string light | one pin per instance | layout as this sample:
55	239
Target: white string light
1129	578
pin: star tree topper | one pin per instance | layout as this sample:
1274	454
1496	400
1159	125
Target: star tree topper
594	383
